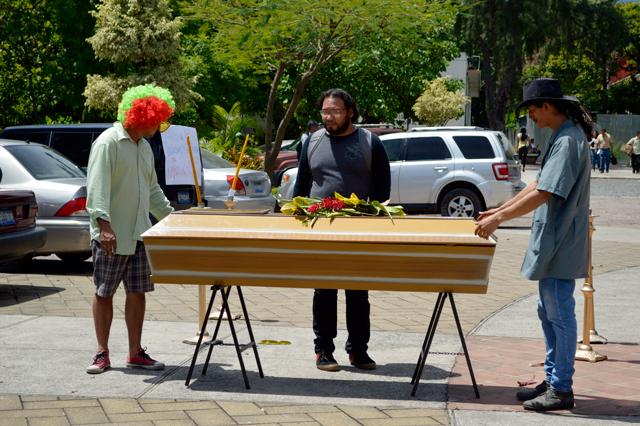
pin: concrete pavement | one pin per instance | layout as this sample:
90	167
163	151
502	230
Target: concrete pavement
46	340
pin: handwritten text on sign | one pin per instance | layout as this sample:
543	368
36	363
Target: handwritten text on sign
177	162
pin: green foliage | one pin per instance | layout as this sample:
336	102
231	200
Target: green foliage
43	59
386	74
141	41
228	137
590	57
509	34
438	104
631	14
298	38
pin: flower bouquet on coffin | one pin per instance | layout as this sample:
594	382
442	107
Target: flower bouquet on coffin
309	210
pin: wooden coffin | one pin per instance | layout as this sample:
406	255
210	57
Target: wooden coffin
373	253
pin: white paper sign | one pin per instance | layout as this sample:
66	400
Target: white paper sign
176	155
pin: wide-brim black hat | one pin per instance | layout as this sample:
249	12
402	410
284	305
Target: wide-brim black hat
544	89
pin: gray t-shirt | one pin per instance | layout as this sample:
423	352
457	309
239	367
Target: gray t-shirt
558	247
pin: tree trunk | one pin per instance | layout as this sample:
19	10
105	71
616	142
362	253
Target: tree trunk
273	149
489	87
272	154
268	131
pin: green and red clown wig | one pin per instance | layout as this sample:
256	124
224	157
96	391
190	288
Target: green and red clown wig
145	106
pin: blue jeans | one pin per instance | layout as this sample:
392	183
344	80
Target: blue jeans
595	161
605	159
556	310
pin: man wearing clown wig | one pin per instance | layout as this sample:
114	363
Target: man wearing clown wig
122	189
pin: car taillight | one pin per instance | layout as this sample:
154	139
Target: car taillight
240	190
75	207
501	171
286	178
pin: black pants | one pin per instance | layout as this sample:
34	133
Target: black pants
522	155
325	319
635	162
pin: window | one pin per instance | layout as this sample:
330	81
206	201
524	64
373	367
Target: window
213	161
508	148
393	148
430	148
31	136
44	163
76	146
474	147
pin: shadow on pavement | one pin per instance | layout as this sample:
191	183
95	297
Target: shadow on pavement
348	383
13	294
502	398
48	265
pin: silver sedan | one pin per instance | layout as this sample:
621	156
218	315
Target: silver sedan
253	189
61	193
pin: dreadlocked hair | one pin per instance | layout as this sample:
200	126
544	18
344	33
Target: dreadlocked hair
575	111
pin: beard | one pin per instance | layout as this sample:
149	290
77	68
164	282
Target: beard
339	128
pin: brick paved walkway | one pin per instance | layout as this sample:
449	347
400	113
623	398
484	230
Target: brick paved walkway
610	388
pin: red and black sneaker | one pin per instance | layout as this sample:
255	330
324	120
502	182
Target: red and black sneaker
142	360
100	363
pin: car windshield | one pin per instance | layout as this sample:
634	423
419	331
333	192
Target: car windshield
44	163
213	161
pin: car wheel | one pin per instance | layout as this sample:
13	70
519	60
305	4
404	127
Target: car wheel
460	202
74	257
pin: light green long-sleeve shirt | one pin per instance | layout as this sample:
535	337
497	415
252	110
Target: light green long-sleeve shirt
122	188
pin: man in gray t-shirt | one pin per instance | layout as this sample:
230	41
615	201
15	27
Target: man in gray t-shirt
558	251
339	159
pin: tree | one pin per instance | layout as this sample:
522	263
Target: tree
584	67
438	104
43	59
508	34
141	42
295	38
504	33
228	136
385	74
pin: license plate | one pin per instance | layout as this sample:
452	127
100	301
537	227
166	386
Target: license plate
6	217
184	197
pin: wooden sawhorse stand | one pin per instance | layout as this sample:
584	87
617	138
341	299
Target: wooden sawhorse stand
428	338
224	292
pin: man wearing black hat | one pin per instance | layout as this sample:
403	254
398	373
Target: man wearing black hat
558	247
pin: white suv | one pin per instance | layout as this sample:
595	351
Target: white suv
456	172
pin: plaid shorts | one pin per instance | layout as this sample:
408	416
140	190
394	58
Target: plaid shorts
108	271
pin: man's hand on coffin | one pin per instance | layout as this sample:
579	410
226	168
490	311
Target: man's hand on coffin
487	213
107	237
487	226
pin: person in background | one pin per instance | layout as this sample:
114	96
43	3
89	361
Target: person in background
605	143
558	251
122	189
634	142
593	147
312	127
522	145
348	160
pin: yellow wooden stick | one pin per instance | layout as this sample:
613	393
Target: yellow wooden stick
195	175
235	178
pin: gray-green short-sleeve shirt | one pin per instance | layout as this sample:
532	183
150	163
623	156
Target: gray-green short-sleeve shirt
558	247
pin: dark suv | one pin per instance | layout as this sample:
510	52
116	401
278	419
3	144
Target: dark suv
74	142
